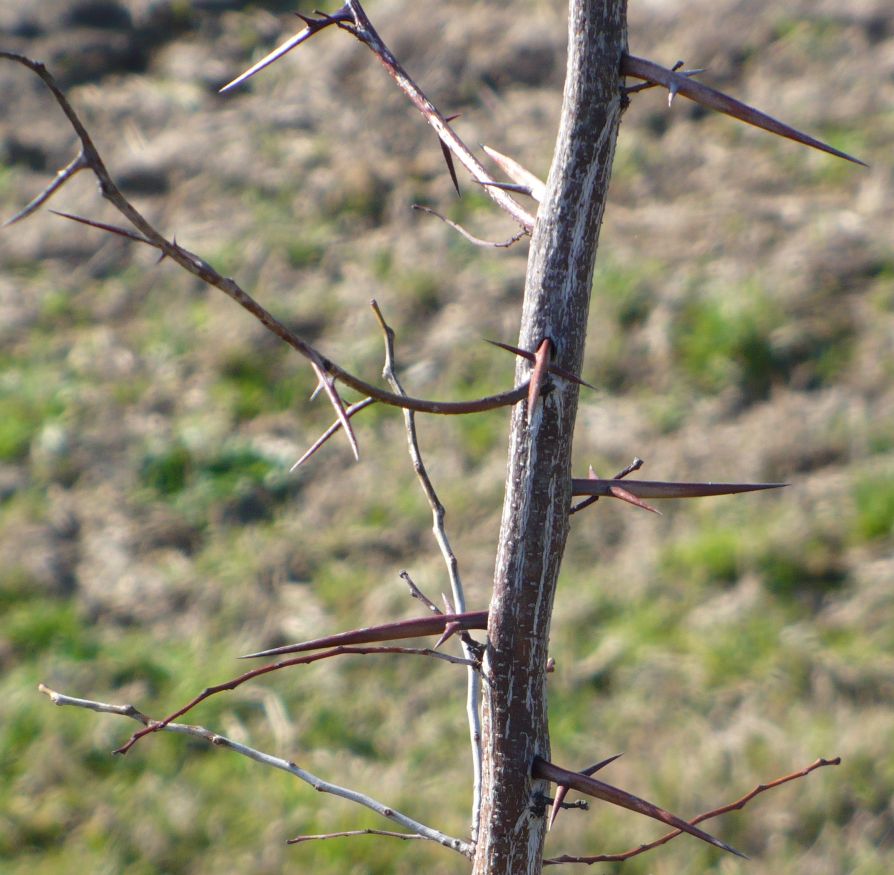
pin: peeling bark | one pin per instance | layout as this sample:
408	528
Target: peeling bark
538	493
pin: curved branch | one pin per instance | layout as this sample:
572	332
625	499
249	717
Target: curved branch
419	829
204	271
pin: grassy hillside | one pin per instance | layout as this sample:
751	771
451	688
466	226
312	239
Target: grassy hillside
742	327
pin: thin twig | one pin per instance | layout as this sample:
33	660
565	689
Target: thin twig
350	833
232	684
715	812
477	241
438	511
266	759
417	593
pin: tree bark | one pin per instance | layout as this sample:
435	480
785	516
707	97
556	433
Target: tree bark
538	493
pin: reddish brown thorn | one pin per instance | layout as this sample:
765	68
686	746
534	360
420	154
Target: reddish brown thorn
562	790
102	226
717	100
349	412
553	369
416	627
449	631
548	771
624	495
592	475
535	385
663	840
660	489
338	405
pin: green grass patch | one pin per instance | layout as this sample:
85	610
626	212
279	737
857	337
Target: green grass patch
255	382
721	342
874	498
32	628
711	556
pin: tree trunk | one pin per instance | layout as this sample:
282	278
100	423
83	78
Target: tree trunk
538	493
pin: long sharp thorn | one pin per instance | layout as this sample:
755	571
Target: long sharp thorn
102	226
711	98
338	405
508	186
600	790
518	173
624	495
77	164
354	408
562	790
661	489
313	26
591	770
553	369
448	157
449	631
541	361
416	627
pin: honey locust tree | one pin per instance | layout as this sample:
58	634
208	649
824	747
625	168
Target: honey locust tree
517	787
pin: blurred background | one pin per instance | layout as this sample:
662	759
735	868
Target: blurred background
742	328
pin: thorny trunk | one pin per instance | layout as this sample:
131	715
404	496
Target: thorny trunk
538	493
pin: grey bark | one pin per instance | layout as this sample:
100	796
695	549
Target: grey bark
538	493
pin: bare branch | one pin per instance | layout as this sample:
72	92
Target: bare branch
419	594
352	18
546	770
477	241
232	684
420	829
406	836
470	648
717	100
715	812
204	271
